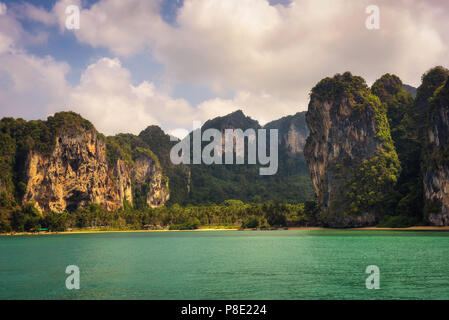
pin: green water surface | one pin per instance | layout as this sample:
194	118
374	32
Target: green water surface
304	264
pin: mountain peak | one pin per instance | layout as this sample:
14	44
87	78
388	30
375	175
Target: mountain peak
237	113
234	120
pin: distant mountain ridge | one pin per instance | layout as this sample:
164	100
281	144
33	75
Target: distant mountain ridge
293	131
64	164
374	155
410	89
234	120
291	184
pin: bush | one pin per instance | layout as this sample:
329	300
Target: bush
191	224
251	223
397	222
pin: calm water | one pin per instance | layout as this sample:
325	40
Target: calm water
227	265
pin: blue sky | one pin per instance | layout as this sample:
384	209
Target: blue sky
169	62
65	47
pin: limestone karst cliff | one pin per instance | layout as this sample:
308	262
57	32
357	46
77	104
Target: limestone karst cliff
436	158
148	173
418	129
351	157
64	164
293	131
291	183
373	154
404	131
415	127
76	173
178	175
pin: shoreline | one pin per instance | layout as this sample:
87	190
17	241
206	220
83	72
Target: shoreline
203	229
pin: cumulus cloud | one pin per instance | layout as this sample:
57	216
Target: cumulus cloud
3	8
268	56
10	30
259	50
107	97
28	84
24	10
126	27
33	87
251	104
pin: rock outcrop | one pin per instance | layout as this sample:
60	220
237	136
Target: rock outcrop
293	132
148	171
178	175
431	81
436	159
349	151
79	166
234	120
76	173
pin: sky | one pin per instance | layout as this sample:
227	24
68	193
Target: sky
137	63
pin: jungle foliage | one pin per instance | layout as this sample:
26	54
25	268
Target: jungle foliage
231	213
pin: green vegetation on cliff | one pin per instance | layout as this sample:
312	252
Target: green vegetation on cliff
395	99
365	170
341	86
391	182
437	103
18	137
408	119
178	175
212	184
128	147
430	81
216	183
381	173
407	197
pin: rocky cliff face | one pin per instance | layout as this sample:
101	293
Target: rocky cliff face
436	159
77	172
349	151
293	132
400	105
178	175
431	81
148	171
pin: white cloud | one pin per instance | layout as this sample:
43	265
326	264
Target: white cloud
10	30
256	49
28	84
126	27
106	96
31	85
34	87
250	103
268	56
3	8
24	10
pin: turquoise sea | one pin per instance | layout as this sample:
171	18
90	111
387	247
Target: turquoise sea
293	264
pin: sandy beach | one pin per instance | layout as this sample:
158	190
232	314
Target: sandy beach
203	229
